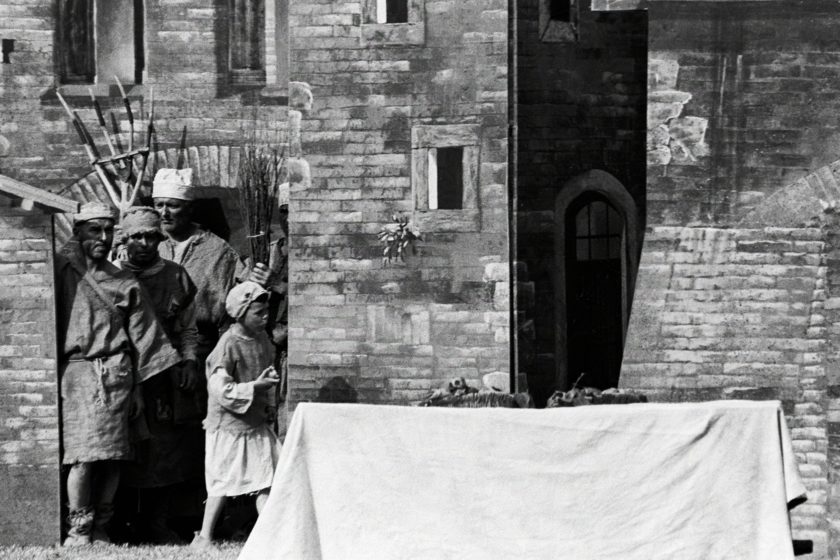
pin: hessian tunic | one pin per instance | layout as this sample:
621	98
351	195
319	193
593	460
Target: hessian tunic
109	341
213	265
174	450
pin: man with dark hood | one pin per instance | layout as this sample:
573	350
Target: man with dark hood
172	452
109	343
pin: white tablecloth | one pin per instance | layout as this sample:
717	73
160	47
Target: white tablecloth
686	481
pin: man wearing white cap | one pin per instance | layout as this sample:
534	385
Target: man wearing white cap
213	265
109	342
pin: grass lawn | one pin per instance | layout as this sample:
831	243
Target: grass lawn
226	551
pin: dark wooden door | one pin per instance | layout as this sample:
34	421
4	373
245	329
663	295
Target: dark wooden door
594	285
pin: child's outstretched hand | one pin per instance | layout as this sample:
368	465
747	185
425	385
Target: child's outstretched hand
267	379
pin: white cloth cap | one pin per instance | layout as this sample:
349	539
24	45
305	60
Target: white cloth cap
173	183
241	296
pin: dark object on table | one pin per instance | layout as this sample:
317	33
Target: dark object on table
458	394
589	395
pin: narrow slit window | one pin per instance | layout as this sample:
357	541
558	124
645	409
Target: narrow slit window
247	41
449	172
76	31
391	11
8	49
560	10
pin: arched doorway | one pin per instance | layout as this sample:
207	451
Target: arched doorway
596	244
594	282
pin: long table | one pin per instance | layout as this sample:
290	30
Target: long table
687	481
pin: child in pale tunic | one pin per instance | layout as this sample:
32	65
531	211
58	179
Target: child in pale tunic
241	447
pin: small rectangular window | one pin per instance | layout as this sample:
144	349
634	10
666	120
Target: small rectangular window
392	11
445	176
449	175
560	10
8	49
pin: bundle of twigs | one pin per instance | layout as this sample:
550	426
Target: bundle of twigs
261	171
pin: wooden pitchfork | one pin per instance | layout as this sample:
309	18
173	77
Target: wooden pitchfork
115	170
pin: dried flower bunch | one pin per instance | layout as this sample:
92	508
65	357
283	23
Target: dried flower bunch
397	237
261	170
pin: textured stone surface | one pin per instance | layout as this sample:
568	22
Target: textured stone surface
29	431
395	332
185	63
581	106
764	78
739	274
726	313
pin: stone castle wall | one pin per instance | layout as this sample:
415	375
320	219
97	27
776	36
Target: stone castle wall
29	430
382	96
735	296
580	106
185	60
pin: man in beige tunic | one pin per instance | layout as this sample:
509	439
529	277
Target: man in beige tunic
213	265
109	343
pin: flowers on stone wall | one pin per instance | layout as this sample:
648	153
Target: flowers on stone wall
397	238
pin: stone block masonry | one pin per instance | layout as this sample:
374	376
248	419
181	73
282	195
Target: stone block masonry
580	106
763	78
196	106
185	62
29	430
396	331
741	313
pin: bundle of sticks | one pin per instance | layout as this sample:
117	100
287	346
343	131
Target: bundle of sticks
122	172
261	171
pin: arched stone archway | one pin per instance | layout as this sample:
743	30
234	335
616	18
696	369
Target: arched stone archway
613	191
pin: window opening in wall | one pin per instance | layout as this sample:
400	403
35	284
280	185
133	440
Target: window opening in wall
560	10
446	178
139	49
392	11
277	42
100	39
594	280
247	41
76	30
8	48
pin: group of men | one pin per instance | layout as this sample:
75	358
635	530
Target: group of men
133	337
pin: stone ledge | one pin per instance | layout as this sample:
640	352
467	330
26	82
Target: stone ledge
626	5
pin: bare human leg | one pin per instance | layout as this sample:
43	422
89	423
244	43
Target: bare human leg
262	496
212	510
